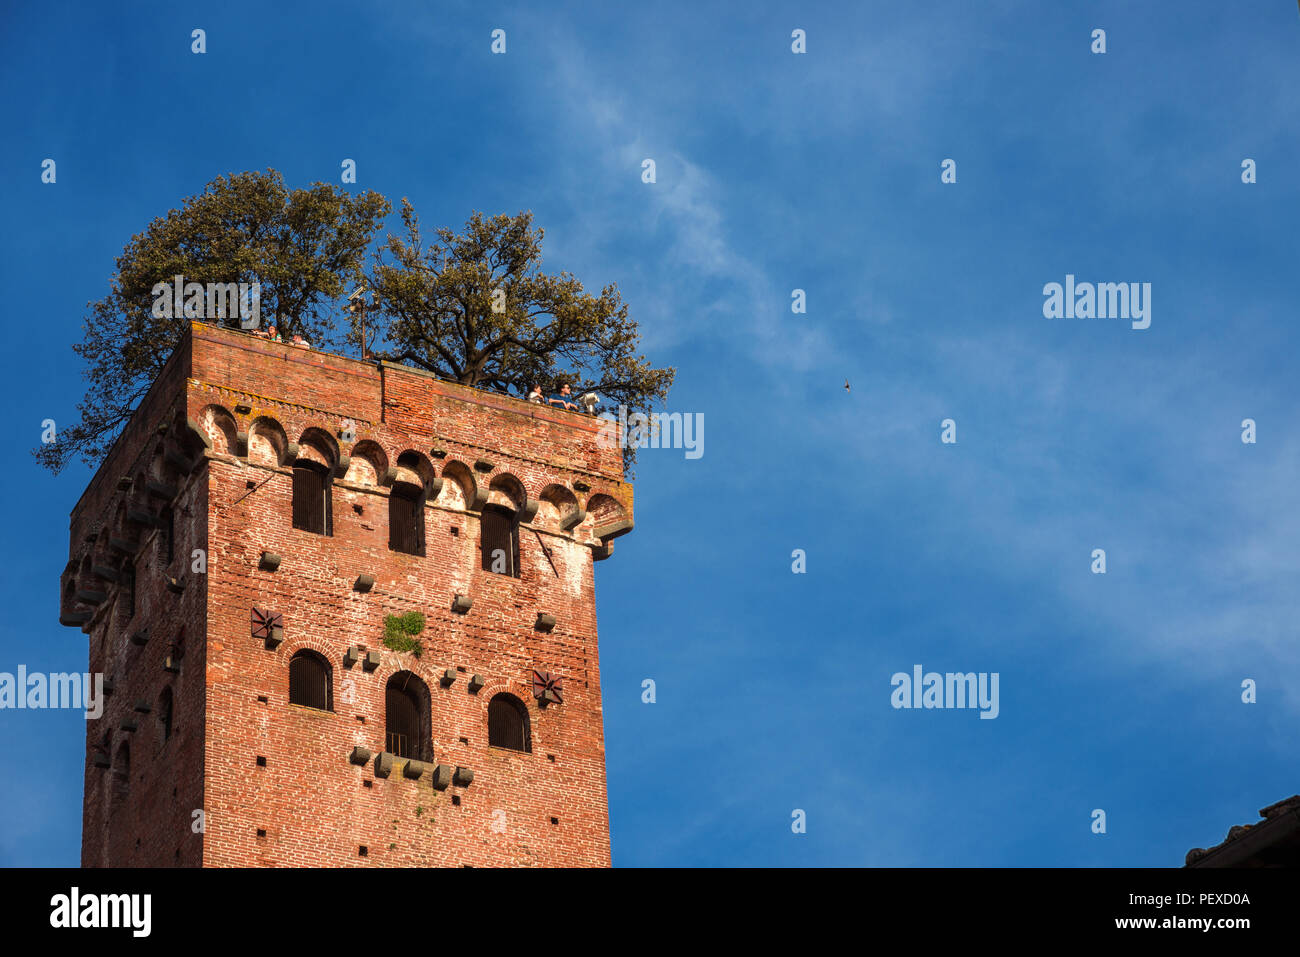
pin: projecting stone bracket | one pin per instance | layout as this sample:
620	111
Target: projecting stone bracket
448	678
122	545
413	769
527	512
389	476
196	436
175	585
573	519
100	760
351	656
463	777
106	573
476	684
442	776
371	662
359	755
181	462
75	619
479	500
140	516
461	604
383	764
140	638
613	529
269	561
341	467
483	465
142	706
601	552
545	622
364	583
91	597
162	490
128	724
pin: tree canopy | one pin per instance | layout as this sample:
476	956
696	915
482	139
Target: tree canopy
303	246
476	308
473	307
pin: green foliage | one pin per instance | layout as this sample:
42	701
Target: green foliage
474	308
439	308
304	246
400	632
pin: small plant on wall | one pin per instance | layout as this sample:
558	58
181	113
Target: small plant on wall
400	632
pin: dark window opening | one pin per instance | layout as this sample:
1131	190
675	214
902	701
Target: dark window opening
406	726
167	537
500	541
508	724
309	681
165	714
312	511
128	589
406	519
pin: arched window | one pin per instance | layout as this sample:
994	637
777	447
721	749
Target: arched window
309	681
167	537
406	725
406	518
312	508
508	724
499	538
165	714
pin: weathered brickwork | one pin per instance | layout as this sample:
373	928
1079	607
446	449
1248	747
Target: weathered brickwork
215	442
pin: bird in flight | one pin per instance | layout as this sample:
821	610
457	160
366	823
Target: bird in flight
846	386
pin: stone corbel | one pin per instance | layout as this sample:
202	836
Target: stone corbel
613	529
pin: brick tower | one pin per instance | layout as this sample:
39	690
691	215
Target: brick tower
250	564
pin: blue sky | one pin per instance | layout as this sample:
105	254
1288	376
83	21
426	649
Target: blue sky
778	171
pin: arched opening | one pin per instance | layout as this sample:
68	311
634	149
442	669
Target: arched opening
406	718
406	518
165	715
127	589
312	506
499	540
310	683
508	724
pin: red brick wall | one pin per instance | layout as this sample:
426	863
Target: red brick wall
251	399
